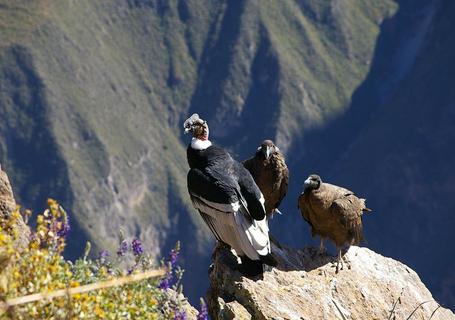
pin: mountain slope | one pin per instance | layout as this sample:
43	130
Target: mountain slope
92	96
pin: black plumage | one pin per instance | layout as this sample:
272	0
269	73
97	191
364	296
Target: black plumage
227	198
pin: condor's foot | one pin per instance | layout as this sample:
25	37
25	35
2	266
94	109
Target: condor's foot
341	261
251	268
220	245
269	260
322	249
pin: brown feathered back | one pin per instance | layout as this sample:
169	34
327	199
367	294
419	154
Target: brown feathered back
333	212
271	175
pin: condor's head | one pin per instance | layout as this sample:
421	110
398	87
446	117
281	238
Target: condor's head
198	127
313	182
267	148
199	130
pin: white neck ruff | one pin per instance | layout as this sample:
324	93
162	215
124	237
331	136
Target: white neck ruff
200	144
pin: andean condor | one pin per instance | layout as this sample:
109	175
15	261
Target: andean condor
271	174
227	198
333	212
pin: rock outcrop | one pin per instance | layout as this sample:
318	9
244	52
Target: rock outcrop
8	205
304	285
7	202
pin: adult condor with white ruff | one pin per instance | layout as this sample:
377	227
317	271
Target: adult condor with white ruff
271	174
333	212
227	198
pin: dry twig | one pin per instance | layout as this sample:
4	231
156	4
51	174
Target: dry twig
82	289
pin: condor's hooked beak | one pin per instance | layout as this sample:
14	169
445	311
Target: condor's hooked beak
266	151
307	183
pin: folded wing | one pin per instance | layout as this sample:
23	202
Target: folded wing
231	208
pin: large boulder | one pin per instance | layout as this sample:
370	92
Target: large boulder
305	286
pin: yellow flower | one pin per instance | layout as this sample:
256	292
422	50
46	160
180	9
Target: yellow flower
99	312
51	202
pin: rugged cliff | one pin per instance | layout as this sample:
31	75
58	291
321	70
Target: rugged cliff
305	286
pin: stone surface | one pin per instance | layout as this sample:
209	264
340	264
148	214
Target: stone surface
232	310
7	202
305	286
179	298
8	205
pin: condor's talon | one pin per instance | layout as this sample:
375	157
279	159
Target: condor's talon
322	250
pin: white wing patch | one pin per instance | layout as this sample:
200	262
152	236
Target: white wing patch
232	224
235	206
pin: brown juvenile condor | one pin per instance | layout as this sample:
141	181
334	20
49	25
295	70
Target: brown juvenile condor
271	174
333	212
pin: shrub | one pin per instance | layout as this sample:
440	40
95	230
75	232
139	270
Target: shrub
40	267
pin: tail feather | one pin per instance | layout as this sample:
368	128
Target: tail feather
365	208
357	234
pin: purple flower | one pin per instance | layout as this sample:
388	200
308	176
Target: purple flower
123	248
165	283
173	257
104	254
203	313
64	229
137	247
179	315
130	270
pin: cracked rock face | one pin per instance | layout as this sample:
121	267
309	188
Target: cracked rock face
8	205
305	286
7	202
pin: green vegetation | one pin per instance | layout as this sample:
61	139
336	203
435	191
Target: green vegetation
41	268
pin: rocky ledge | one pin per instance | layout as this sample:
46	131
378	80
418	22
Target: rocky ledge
8	205
304	285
